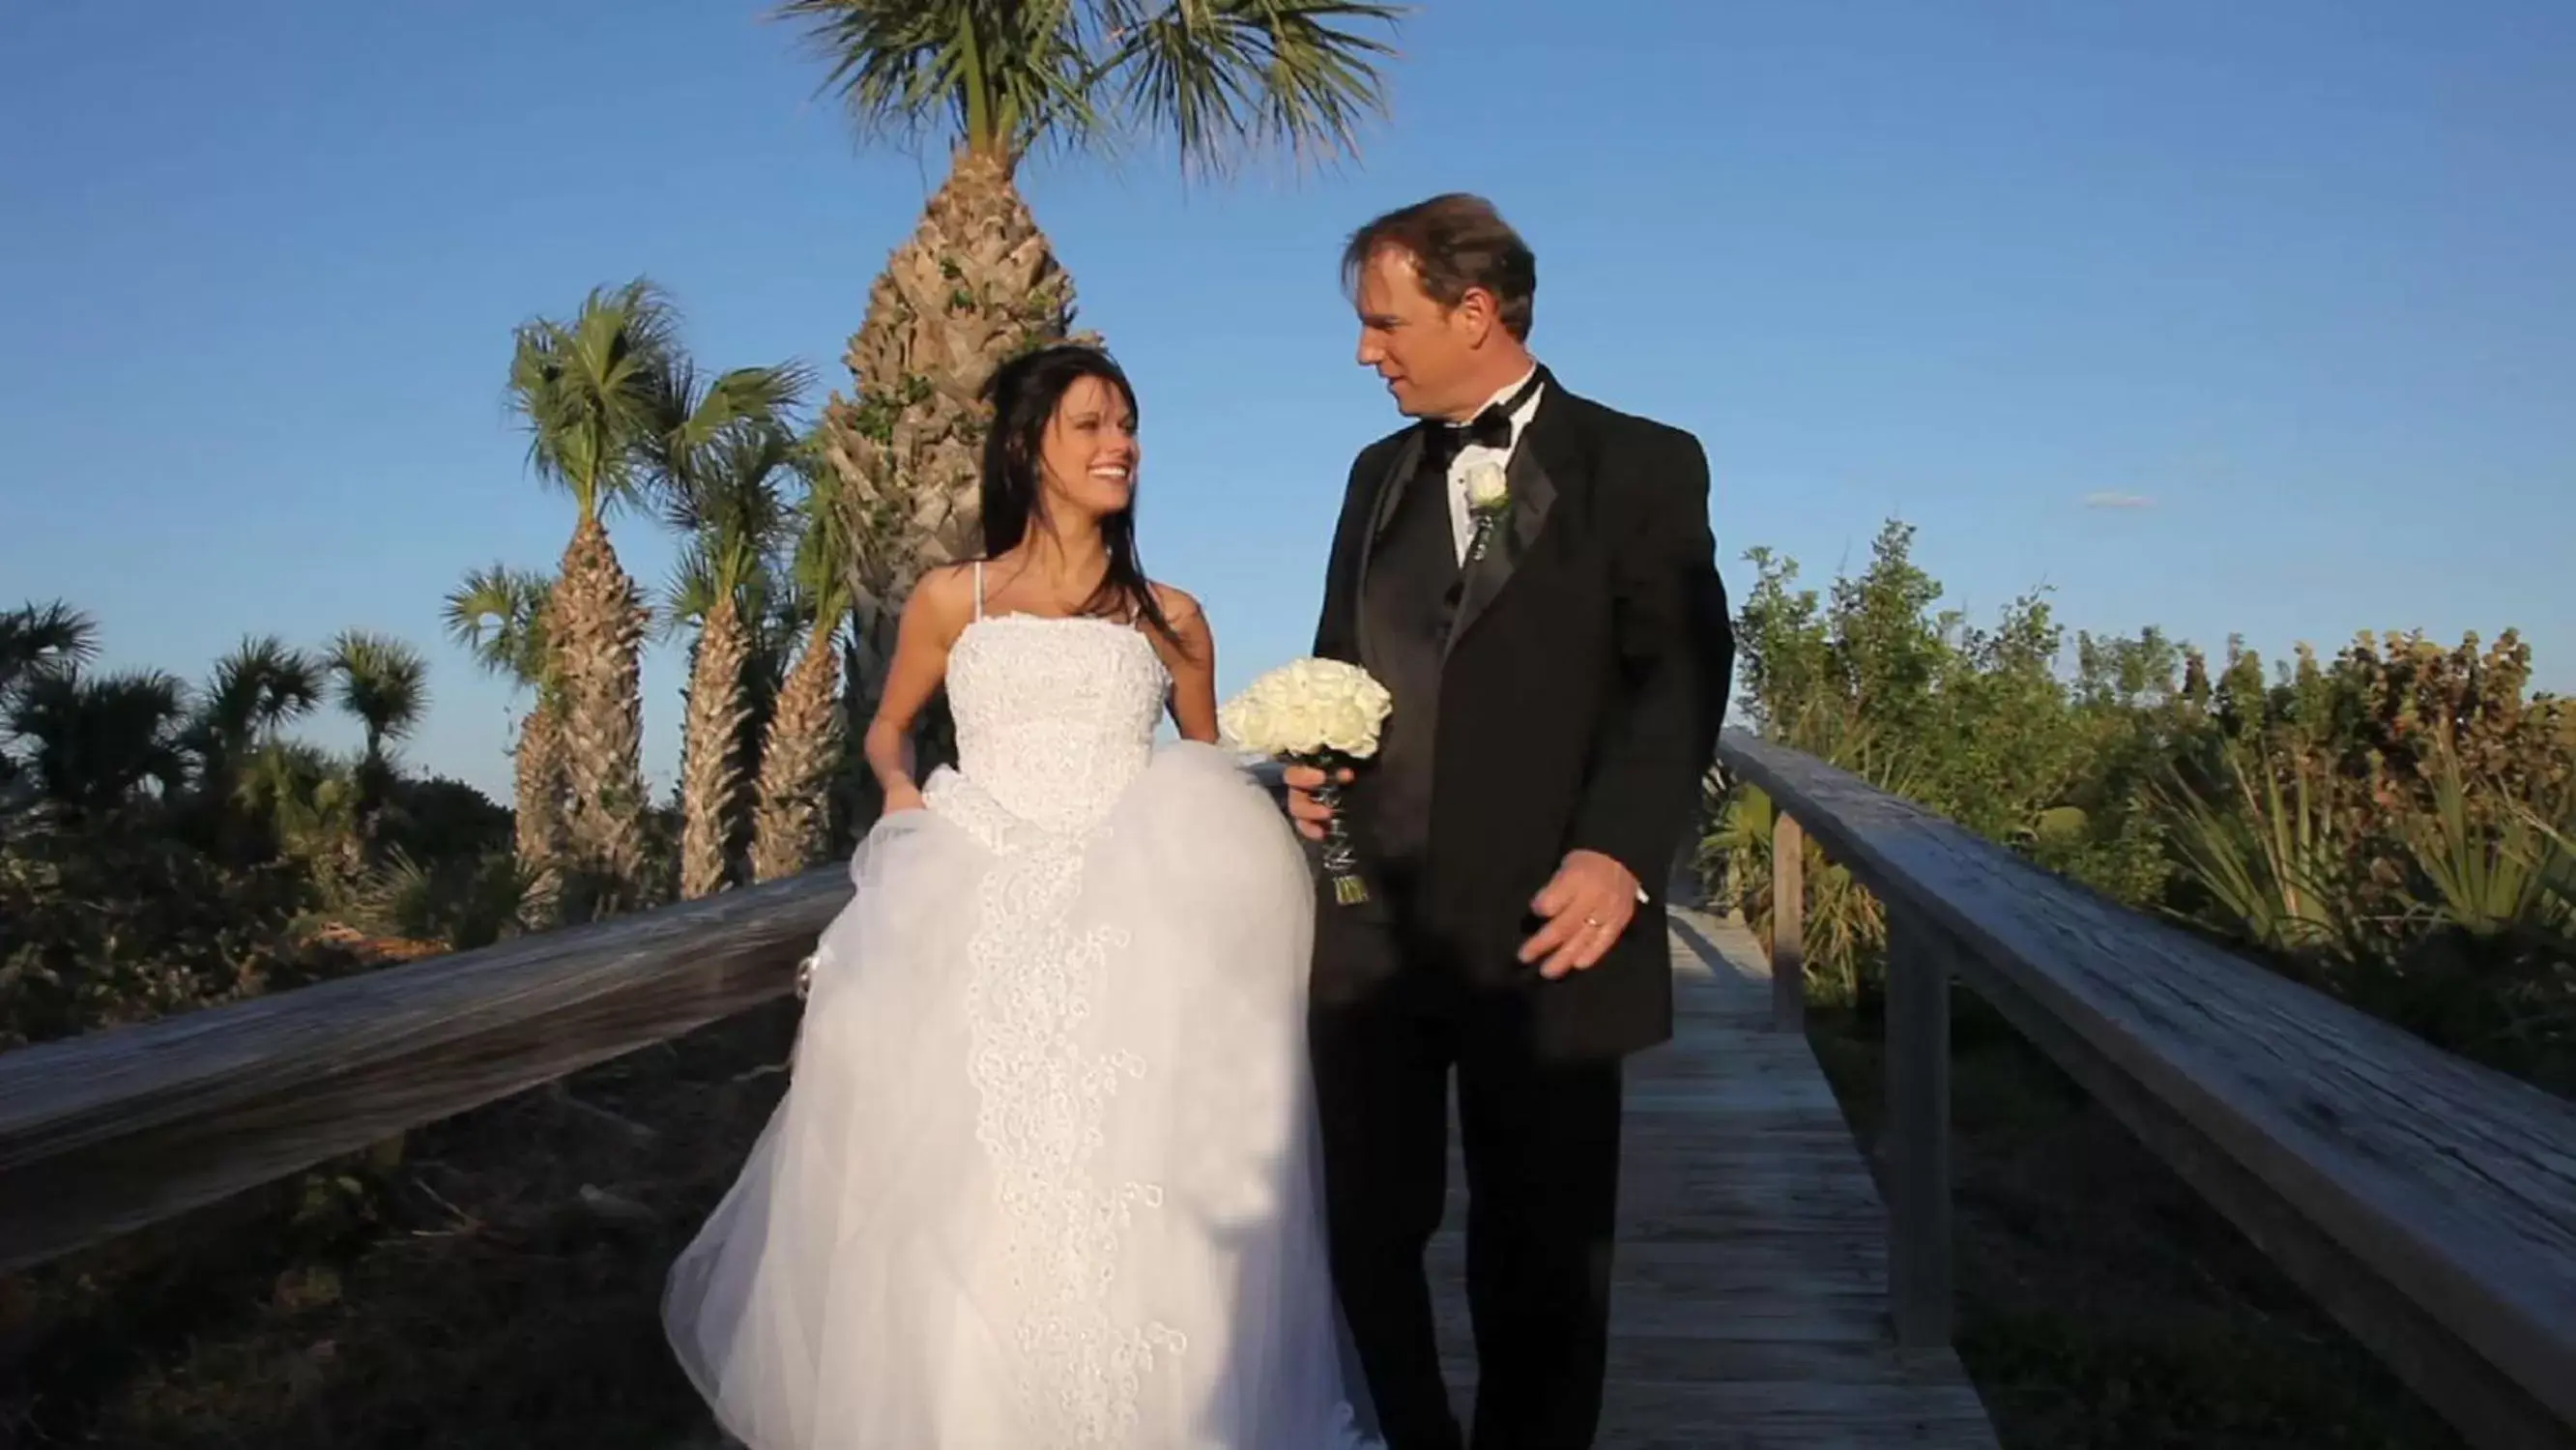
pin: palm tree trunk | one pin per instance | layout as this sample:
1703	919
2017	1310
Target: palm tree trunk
711	778
602	621
792	827
977	285
539	813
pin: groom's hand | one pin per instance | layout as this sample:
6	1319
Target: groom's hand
1587	906
1310	814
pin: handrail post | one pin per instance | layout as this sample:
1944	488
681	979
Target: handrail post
1918	1131
1788	923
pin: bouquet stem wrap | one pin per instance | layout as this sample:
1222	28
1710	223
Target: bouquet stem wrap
1341	859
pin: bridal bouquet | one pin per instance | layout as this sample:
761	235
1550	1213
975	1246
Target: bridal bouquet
1322	713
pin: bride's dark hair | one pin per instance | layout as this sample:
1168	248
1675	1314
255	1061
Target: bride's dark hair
1025	393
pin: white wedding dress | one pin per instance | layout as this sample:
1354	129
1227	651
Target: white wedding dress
1045	1175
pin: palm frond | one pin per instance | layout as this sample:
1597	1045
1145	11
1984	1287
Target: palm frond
1222	80
688	419
1230	80
993	77
585	389
691	592
45	636
498	614
262	684
824	550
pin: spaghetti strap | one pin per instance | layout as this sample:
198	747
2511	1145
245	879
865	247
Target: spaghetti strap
979	589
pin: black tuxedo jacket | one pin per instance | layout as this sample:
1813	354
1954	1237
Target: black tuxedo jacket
1584	677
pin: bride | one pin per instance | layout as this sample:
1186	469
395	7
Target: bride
1046	1174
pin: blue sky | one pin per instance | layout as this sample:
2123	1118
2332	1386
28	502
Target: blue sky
2294	272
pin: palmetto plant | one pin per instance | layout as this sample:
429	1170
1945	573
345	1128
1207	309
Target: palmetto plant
2267	843
36	639
259	688
2492	864
93	743
1218	81
499	615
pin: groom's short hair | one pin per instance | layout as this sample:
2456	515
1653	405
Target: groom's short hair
1457	241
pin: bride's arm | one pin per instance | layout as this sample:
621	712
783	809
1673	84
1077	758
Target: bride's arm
931	621
1192	661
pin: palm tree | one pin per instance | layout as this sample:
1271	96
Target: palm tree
724	496
586	389
385	684
978	282
499	615
612	405
791	825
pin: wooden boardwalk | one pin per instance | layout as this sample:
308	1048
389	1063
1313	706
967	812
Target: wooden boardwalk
1750	1282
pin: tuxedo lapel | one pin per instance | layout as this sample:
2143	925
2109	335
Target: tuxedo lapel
1542	459
1390	492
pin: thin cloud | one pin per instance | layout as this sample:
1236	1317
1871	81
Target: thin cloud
2118	501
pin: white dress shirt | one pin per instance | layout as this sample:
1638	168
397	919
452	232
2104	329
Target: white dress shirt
1462	522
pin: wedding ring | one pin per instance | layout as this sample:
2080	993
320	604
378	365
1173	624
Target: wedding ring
1591	921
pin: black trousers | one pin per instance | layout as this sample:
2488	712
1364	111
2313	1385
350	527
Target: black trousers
1541	1150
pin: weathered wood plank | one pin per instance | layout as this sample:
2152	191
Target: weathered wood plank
1838	1407
2354	1153
105	1133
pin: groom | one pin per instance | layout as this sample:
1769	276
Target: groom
1558	684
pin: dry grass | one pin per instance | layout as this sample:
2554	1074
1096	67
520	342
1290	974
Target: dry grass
2102	1304
472	1296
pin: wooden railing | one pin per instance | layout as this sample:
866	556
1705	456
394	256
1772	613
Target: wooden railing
109	1132
2428	1203
105	1133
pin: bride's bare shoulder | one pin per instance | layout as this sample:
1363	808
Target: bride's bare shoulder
1180	609
1175	601
944	600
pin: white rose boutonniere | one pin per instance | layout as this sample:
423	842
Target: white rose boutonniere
1318	712
1489	496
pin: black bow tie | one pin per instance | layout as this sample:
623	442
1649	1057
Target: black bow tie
1491	428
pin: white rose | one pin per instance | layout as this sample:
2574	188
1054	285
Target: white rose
1486	487
1305	706
1350	733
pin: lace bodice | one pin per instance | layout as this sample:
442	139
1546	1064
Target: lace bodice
1054	716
